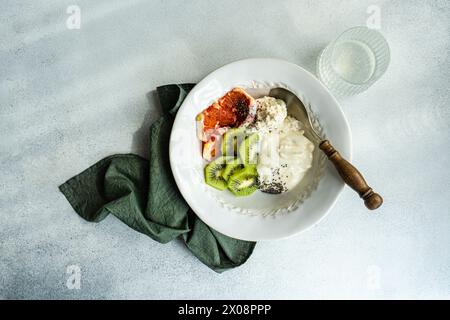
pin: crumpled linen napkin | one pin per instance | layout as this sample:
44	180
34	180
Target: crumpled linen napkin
142	193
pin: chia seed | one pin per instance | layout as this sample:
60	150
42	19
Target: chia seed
242	110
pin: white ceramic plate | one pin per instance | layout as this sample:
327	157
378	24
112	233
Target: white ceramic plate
259	216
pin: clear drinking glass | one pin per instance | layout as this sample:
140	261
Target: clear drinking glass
354	61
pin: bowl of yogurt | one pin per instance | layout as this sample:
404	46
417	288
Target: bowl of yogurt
292	185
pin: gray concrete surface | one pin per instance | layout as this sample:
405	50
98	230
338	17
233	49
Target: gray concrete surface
69	97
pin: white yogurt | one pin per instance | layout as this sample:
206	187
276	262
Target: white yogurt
285	155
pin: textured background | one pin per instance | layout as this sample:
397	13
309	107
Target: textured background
71	97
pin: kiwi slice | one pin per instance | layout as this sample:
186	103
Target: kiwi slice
243	182
230	141
231	168
213	173
248	150
251	168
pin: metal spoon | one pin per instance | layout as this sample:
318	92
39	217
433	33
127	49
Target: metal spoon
351	176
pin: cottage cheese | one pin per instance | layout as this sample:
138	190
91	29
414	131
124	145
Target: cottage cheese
270	114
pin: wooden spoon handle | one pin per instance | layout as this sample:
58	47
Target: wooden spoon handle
351	176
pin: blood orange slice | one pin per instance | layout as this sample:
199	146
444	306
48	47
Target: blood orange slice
232	110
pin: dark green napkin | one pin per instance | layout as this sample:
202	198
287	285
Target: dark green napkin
143	194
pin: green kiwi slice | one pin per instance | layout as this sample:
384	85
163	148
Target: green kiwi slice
231	168
230	141
243	182
248	150
213	173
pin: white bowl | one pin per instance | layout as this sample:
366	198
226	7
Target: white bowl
259	216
